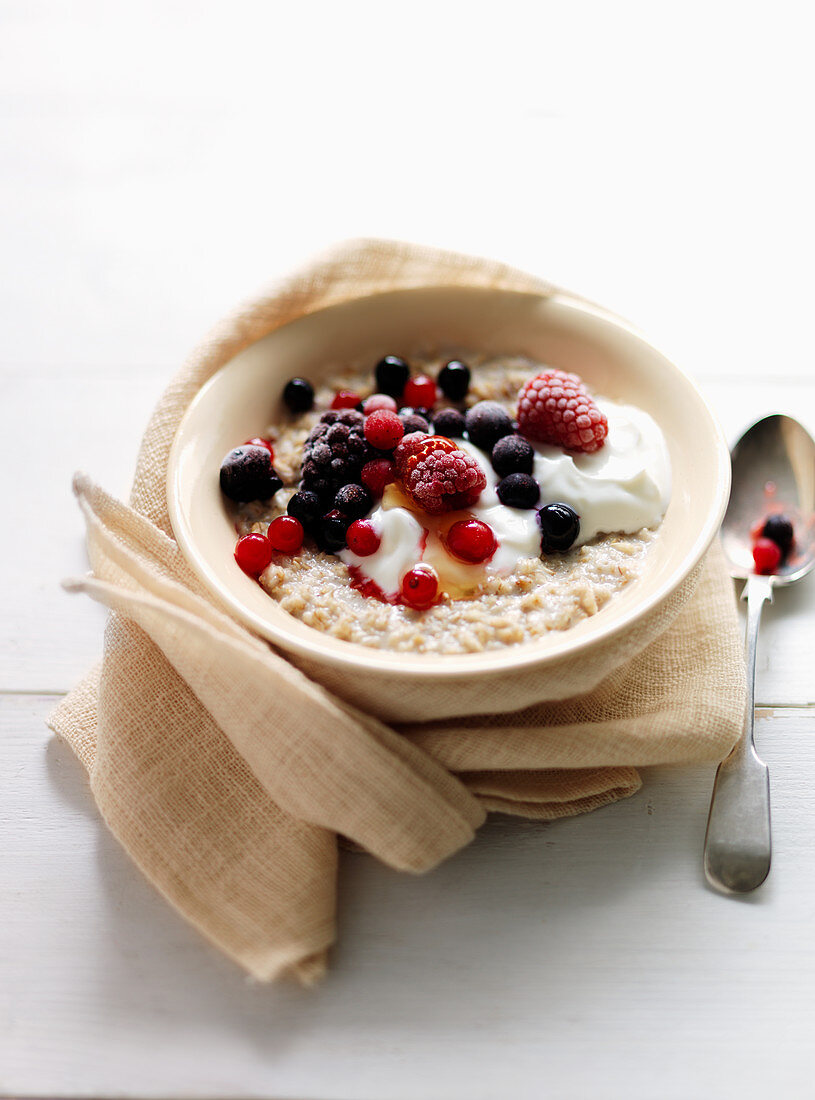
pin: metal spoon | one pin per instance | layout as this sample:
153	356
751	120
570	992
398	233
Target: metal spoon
773	468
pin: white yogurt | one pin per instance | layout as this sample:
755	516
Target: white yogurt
624	486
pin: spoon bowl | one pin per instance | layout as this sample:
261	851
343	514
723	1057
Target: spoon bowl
773	466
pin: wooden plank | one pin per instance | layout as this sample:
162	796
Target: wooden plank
493	975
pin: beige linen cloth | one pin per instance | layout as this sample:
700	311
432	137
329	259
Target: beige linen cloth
227	773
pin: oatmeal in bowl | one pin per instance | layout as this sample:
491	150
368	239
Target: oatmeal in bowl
587	550
446	505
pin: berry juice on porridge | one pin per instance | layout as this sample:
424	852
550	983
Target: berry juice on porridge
445	505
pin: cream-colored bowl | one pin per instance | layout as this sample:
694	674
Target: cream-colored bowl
244	397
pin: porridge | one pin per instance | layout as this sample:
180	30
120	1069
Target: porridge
447	507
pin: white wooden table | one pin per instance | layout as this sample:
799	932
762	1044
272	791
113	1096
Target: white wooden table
159	163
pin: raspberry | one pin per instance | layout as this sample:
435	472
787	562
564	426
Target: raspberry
383	429
376	475
346	399
335	452
420	392
420	586
471	540
766	555
379	401
253	553
362	539
286	534
436	475
555	407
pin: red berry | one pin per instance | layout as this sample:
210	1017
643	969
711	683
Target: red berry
471	540
379	401
766	555
420	392
555	407
362	539
258	442
383	429
253	553
286	534
346	399
436	475
420	586
376	474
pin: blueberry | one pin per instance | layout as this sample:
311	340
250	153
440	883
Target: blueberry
298	395
779	529
306	506
353	501
454	380
518	491
487	422
247	474
449	422
512	455
332	531
560	526
391	375
414	421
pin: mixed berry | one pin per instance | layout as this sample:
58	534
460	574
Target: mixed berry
773	540
411	437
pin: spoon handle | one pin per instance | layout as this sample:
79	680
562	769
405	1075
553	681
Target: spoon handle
737	844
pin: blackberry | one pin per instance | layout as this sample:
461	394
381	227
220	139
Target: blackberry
449	422
518	491
391	375
305	506
298	395
454	380
335	451
487	422
560	526
779	530
512	455
414	420
247	474
353	501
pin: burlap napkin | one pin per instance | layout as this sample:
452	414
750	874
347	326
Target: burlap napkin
227	773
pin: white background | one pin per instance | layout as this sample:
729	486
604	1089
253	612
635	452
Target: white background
159	162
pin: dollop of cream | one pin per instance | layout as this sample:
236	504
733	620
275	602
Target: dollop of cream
623	487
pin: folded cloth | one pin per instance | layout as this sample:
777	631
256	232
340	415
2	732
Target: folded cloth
227	773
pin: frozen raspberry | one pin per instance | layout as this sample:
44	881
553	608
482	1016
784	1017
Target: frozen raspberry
471	540
379	401
253	553
362	539
346	399
420	586
286	534
436	475
766	555
376	475
335	452
555	407
383	429
420	392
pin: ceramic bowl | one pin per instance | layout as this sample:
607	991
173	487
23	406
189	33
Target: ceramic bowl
244	397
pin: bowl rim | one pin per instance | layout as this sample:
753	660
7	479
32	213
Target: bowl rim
353	655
